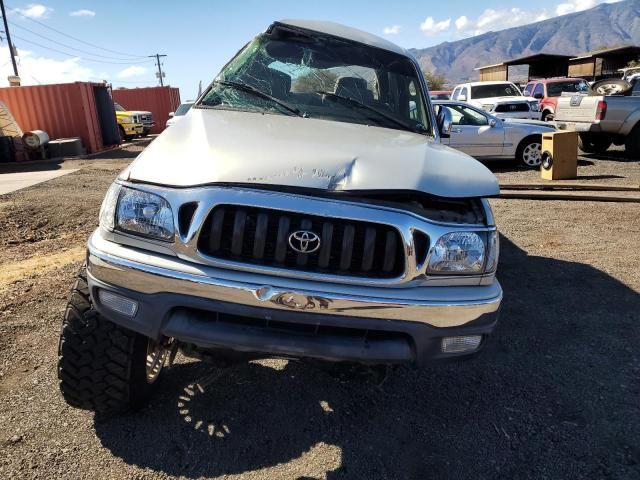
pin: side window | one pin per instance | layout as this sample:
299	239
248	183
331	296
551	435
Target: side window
527	90
539	89
636	88
465	92
468	116
454	95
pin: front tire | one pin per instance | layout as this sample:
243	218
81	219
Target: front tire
102	366
529	153
590	143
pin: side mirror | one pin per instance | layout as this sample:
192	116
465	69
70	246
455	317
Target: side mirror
492	122
445	122
171	114
538	96
462	98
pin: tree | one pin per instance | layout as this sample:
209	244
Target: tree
434	81
633	63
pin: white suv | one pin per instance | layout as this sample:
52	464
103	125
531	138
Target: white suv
502	99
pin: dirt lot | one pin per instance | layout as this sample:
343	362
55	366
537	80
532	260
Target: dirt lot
555	395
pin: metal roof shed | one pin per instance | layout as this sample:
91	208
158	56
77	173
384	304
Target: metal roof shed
541	65
603	63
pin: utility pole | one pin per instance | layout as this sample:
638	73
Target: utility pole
157	57
6	30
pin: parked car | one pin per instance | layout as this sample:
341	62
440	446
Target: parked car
482	135
138	116
129	123
439	94
603	120
547	92
323	221
502	99
180	112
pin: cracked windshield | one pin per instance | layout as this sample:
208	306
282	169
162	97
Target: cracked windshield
288	73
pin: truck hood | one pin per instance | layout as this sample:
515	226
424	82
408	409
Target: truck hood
496	100
229	147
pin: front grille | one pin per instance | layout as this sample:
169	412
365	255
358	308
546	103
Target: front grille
260	236
146	119
512	107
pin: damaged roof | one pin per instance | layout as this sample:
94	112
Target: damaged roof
348	33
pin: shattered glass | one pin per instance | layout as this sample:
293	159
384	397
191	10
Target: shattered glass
291	72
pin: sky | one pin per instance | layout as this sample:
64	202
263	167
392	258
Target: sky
78	40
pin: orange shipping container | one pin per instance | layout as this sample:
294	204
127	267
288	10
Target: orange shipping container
157	100
81	109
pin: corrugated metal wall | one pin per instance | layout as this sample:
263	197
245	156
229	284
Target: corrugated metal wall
61	110
157	100
494	74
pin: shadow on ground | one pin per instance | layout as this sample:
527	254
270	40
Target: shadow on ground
554	395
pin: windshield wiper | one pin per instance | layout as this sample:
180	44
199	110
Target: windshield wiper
419	128
249	89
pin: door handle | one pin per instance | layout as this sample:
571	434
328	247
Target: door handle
457	130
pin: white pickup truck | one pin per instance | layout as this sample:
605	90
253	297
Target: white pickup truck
501	99
603	120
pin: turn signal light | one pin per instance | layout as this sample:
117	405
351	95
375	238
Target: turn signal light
118	303
461	344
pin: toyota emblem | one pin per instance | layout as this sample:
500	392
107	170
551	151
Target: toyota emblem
304	241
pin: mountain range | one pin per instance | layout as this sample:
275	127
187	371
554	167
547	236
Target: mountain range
608	24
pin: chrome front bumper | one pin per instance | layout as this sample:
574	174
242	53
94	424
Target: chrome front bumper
162	285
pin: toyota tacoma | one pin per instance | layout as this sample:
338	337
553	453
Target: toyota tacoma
305	208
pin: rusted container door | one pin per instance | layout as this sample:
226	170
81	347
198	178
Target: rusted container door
106	116
157	100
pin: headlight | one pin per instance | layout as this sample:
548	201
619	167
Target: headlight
458	253
534	106
108	207
144	213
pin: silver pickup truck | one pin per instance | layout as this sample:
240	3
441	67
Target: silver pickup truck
603	120
304	208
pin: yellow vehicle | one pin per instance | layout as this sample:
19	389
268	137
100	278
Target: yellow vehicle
129	123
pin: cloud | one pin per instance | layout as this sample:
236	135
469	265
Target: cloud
83	13
575	6
34	10
462	22
431	27
132	71
392	30
35	69
500	19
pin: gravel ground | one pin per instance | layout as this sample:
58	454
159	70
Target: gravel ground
555	395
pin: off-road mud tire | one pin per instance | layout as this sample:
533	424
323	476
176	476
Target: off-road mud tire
101	366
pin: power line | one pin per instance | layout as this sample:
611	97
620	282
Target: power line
74	38
76	56
73	48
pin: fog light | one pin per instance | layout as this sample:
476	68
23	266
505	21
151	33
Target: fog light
118	303
461	344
